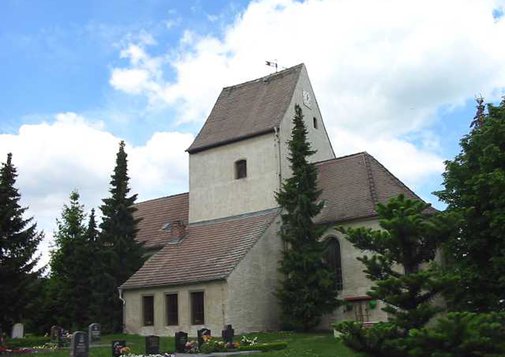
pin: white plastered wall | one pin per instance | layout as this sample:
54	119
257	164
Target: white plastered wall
252	304
215	294
214	192
317	137
355	282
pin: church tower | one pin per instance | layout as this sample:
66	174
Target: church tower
239	158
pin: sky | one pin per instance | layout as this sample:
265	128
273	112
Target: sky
395	78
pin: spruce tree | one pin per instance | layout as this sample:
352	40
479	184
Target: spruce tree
308	289
474	186
121	255
19	240
401	259
70	264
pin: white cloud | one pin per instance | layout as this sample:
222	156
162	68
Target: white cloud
55	157
381	70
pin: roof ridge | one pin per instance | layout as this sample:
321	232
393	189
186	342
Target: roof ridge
371	181
233	218
396	179
163	197
268	77
340	158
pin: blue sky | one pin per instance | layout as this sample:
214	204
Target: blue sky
397	79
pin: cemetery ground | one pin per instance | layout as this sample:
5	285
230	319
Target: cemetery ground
298	344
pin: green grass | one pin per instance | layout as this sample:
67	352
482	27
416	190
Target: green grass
299	345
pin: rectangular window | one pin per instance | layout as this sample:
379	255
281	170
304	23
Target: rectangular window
148	310
197	310
172	308
240	169
361	313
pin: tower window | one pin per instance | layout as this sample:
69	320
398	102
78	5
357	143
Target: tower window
240	169
314	122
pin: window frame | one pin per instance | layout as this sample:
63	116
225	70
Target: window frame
334	260
145	312
240	169
197	310
171	314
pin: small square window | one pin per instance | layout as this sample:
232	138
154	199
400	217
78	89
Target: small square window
240	169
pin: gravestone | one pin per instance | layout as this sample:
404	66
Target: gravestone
117	345
94	332
18	330
181	338
79	346
202	332
227	334
55	333
152	345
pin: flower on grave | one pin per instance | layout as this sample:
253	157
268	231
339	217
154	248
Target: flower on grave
124	350
248	341
191	347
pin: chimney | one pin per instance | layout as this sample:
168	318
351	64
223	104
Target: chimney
178	230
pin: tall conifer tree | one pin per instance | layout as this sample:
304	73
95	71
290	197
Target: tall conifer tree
121	254
308	289
474	188
19	240
70	261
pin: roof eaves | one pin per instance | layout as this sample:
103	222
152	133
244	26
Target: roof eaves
230	141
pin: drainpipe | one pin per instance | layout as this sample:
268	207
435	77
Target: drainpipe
278	139
120	291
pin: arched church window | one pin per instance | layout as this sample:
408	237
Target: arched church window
240	169
334	260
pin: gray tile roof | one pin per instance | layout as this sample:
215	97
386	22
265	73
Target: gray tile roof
248	109
209	251
157	213
352	186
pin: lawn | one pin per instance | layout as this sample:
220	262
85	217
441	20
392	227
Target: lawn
299	345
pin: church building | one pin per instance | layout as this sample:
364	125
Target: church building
215	250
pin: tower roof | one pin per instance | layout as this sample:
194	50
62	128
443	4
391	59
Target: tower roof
248	109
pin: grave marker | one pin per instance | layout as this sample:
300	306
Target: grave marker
117	346
80	344
181	338
227	334
152	345
202	332
94	332
18	330
55	333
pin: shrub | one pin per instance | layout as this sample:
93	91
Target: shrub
31	341
461	334
379	340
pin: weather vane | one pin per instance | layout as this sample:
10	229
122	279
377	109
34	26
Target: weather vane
273	64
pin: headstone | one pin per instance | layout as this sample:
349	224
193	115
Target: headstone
55	333
181	338
117	345
227	334
152	345
94	332
79	346
18	330
202	332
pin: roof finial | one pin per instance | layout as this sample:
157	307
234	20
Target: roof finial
273	64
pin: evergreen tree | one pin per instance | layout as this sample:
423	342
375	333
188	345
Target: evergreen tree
308	289
70	264
121	254
401	263
19	240
474	188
